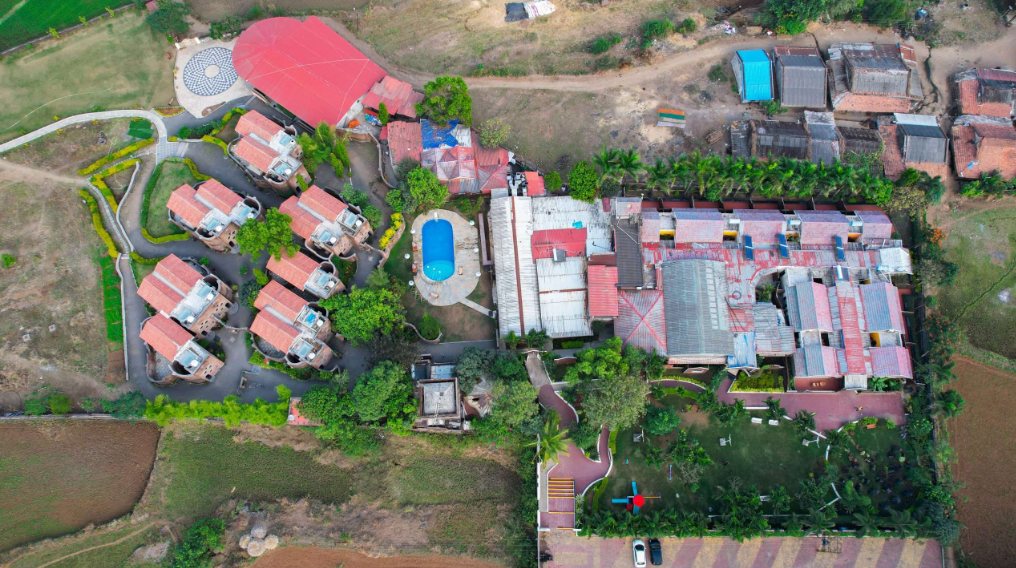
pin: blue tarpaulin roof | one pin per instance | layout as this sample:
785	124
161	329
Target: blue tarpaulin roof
435	136
756	75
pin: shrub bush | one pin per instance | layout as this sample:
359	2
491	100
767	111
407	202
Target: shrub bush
261	277
573	344
552	182
217	142
126	150
763	382
373	215
603	44
165	239
163	410
59	403
142	260
653	29
8	260
97	223
661	420
687	26
390	233
429	327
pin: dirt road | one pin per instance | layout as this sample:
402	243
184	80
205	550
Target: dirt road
17	172
330	558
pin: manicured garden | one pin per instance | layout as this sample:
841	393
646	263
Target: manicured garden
167	177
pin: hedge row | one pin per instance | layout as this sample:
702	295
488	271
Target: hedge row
97	223
98	181
210	128
217	142
163	410
126	150
165	239
142	260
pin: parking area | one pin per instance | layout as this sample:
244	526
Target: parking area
570	551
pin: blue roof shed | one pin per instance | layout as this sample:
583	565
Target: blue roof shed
754	74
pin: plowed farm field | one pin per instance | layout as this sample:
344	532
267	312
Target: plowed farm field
57	476
985	437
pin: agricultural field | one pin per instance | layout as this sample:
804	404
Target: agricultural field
59	476
981	240
73	147
55	282
211	10
983	436
86	71
22	21
172	176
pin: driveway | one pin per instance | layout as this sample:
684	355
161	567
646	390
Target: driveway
570	551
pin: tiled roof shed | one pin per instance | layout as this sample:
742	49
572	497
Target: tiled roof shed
165	336
989	92
255	153
753	71
821	227
698	226
762	225
983	145
218	196
183	204
775	139
253	122
801	80
276	332
398	97
882	310
295	269
891	362
280	299
405	140
167	286
602	291
697	316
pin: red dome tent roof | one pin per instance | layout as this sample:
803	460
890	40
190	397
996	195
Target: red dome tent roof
305	67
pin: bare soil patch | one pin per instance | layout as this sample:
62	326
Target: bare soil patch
330	558
211	10
72	148
54	283
985	437
62	475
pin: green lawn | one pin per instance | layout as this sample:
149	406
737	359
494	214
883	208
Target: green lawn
115	555
201	467
84	71
174	174
983	296
24	21
759	455
874	467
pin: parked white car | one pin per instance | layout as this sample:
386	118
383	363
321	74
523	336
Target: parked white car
638	552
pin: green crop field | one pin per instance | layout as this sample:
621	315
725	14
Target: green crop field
21	20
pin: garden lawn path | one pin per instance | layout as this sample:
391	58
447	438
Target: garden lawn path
831	410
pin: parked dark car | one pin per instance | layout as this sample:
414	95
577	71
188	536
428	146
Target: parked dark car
655	552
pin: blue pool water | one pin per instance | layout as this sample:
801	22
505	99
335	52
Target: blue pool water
438	249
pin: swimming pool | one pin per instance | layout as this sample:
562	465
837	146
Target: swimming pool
438	249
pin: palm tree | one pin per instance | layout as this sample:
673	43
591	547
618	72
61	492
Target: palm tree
658	176
775	411
819	520
630	163
949	403
835	438
653	525
903	523
866	524
552	440
607	161
680	172
804	421
693	524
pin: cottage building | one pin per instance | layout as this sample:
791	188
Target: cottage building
913	141
307	274
825	143
188	294
212	213
772	139
398	97
988	92
327	224
453	152
439	402
867	77
178	350
801	77
291	329
754	74
268	152
983	145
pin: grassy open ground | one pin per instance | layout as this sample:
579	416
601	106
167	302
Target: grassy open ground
111	548
22	21
211	10
84	71
174	174
984	435
59	476
74	147
983	298
55	282
458	322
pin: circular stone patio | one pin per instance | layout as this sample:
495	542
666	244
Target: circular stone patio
467	260
204	78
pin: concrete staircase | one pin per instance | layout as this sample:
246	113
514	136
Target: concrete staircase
560	503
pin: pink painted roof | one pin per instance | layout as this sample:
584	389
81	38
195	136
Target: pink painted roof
304	66
762	225
572	241
178	273
294	269
258	124
255	153
304	223
280	299
820	227
276	332
602	291
534	182
877	225
398	97
182	203
641	320
692	226
405	141
853	346
218	195
165	336
891	362
322	203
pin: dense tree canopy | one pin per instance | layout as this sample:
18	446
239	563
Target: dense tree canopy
583	182
364	313
170	18
385	394
446	99
618	402
426	190
273	234
472	365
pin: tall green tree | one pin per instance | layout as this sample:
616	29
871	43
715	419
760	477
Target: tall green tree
365	313
618	402
446	99
583	182
553	439
273	234
382	114
472	365
170	18
513	404
385	394
200	542
427	191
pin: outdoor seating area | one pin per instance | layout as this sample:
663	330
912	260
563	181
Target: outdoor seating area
445	257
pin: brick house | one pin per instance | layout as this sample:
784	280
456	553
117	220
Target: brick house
983	144
327	224
989	92
268	152
307	274
870	77
290	328
186	359
188	294
212	213
913	141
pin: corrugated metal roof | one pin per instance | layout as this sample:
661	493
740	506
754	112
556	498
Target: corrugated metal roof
882	310
860	140
756	75
801	80
695	295
808	307
762	225
739	139
563	212
820	227
923	144
772	335
891	362
816	361
572	241
641	320
602	291
563	314
876	225
518	306
853	346
774	138
569	274
629	253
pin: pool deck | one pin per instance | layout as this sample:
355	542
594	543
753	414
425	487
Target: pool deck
467	260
